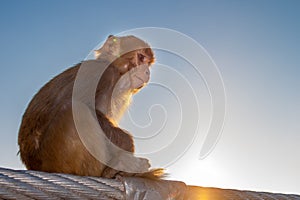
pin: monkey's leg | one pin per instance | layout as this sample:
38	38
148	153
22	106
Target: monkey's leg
124	141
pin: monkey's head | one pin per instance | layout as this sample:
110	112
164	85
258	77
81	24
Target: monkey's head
128	54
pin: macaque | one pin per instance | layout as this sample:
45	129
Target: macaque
48	138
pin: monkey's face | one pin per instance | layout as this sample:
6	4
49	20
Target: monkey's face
136	65
131	57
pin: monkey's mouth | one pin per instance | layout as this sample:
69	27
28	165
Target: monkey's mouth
141	87
142	81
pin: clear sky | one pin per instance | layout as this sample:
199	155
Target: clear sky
255	45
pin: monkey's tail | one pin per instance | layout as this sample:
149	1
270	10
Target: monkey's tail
155	174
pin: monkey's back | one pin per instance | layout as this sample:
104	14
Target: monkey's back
47	104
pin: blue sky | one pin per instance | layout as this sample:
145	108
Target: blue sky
255	45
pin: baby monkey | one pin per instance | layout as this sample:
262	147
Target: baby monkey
48	138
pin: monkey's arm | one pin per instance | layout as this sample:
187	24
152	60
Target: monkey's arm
115	134
124	140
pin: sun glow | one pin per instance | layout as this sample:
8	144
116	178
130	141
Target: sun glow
198	172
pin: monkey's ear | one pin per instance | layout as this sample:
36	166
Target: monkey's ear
110	49
97	53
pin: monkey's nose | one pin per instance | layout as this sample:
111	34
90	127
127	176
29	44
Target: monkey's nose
147	72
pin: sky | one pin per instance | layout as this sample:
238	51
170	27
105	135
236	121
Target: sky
255	45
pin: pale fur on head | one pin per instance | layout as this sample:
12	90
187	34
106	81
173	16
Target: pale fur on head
110	49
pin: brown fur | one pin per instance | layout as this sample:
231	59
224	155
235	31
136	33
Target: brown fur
48	139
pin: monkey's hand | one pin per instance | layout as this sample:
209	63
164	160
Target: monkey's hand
127	168
132	164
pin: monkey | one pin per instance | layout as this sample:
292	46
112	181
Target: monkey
48	139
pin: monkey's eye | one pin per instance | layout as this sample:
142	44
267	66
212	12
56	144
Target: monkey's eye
141	57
